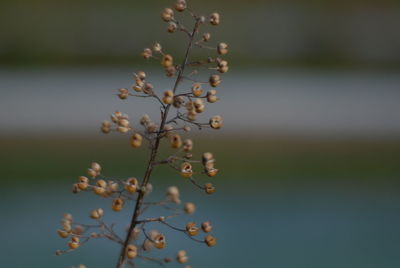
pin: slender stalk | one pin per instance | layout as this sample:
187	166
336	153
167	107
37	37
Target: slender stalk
153	154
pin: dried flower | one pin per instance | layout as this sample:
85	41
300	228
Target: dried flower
97	213
147	53
136	140
189	208
222	49
216	122
215	80
180	5
167	61
206	227
209	188
210	240
117	204
167	14
131	251
215	19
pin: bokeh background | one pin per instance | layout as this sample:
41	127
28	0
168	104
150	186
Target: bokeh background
309	156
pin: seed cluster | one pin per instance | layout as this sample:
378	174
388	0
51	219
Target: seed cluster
180	106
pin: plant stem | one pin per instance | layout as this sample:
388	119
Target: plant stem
153	154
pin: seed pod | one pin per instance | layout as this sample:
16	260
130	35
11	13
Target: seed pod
207	157
131	251
173	194
211	172
74	243
97	213
172	27
62	233
189	208
170	71
223	66
78	230
209	188
123	123
147	53
181	256
167	61
168	97
106	127
159	241
206	37
206	227
222	48
123	93
186	170
117	204
145	120
216	122
175	141
180	5
167	14
92	173
122	130
197	90
188	145
141	75
215	80
192	229
215	19
132	185
83	183
210	240
199	105
211	96
148	89
136	140
178	101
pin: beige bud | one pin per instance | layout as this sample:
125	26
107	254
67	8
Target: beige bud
197	90
180	5
147	53
172	27
210	240
216	122
131	251
97	213
215	80
206	37
167	61
206	227
209	188
132	185
188	145
186	170
136	140
62	233
215	19
175	141
189	208
222	48
117	204
167	14
192	229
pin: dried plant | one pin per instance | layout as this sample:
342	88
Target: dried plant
179	110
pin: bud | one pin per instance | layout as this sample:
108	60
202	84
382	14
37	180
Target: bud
188	145
211	96
215	19
186	170
136	140
97	214
206	37
157	47
170	71
168	97
167	61
147	53
222	49
216	122
215	80
209	188
180	5
74	243
62	233
132	185
167	15
83	183
175	141
178	101
123	93
192	229
117	204
210	240
197	90
131	251
199	105
159	241
172	27
148	89
141	75
206	227
92	173
223	66
189	208
181	256
106	127
173	194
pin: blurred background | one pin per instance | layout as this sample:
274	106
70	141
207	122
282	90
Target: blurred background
309	155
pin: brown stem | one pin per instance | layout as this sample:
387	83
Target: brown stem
153	154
